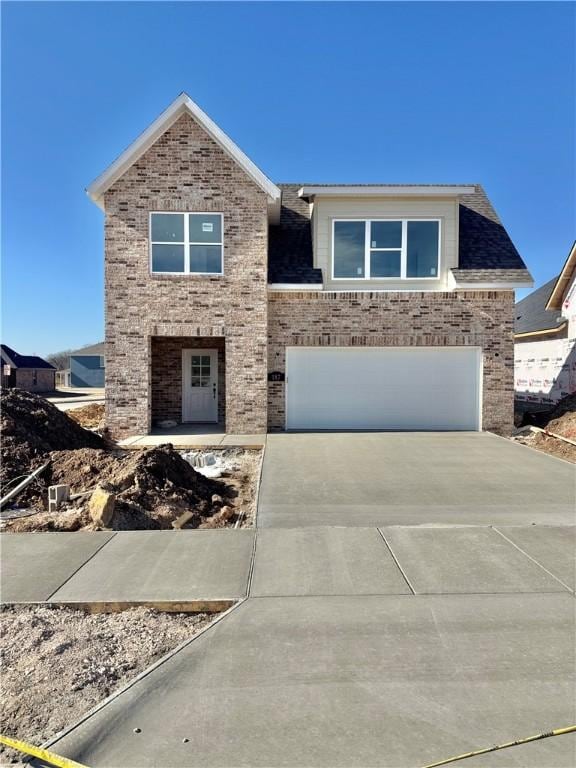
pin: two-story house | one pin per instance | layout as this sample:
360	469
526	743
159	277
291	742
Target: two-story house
269	306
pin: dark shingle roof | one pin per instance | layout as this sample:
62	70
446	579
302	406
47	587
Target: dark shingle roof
10	357
530	314
484	243
290	243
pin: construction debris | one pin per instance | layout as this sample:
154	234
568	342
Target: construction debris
152	488
16	490
57	494
101	506
553	432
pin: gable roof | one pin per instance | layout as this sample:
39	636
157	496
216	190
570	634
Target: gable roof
486	252
91	349
564	279
183	104
531	315
12	358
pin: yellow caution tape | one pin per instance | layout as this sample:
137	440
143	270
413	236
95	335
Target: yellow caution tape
43	754
557	732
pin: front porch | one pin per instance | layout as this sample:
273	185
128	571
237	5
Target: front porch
188	384
194	436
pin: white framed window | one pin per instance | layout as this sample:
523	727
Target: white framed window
187	243
385	249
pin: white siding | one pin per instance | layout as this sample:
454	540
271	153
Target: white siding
325	210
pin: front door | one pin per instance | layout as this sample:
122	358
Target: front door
200	385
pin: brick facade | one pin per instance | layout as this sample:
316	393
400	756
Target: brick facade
185	170
35	380
474	318
151	318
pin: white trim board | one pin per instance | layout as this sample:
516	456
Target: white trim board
389	190
180	106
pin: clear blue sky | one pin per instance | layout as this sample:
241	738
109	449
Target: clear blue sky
328	92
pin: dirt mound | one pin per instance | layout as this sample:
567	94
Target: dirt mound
562	419
31	428
153	487
90	416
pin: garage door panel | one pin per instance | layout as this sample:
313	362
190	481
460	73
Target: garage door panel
383	388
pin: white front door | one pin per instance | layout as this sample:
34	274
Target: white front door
200	385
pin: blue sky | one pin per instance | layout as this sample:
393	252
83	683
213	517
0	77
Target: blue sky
315	92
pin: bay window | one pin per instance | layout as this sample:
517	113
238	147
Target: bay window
186	243
382	248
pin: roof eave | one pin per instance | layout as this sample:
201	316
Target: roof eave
542	331
309	192
180	106
564	279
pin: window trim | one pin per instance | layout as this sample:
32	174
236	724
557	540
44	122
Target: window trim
186	243
403	249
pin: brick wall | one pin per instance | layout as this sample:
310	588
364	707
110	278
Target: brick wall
184	171
166	353
35	380
475	318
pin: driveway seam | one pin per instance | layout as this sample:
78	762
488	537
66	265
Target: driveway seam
536	562
406	579
252	564
100	548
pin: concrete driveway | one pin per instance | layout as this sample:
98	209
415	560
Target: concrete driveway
396	681
407	478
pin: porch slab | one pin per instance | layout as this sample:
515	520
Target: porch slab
191	438
34	565
466	561
324	561
165	566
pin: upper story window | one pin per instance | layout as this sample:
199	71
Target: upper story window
383	248
186	243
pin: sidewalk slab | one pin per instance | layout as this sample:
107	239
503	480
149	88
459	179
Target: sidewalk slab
465	560
34	565
554	547
350	682
165	566
325	561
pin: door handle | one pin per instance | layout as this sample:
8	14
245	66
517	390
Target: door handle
214	391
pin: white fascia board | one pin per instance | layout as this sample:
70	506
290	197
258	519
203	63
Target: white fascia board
180	106
387	191
295	286
493	286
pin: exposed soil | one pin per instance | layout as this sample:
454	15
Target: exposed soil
32	427
562	421
89	416
58	663
550	445
153	487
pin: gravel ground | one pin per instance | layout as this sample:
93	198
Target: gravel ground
58	663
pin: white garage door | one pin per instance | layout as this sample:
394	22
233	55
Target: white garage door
383	388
